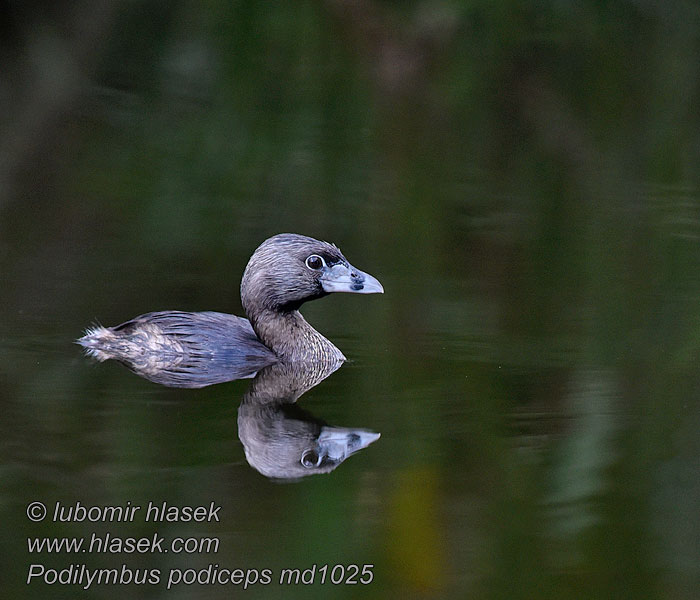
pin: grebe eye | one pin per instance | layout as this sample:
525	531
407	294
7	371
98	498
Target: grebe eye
310	459
315	262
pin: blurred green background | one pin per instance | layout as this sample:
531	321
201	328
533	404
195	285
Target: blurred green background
523	178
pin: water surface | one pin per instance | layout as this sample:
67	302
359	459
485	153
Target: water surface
524	184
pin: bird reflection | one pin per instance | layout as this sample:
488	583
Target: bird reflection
283	441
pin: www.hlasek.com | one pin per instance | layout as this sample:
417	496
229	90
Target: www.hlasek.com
107	543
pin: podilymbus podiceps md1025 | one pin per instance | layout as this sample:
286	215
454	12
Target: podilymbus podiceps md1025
285	271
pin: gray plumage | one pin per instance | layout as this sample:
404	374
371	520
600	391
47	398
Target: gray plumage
182	349
194	349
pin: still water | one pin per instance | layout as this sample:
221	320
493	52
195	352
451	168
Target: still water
525	185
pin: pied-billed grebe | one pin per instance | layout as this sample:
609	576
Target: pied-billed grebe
285	271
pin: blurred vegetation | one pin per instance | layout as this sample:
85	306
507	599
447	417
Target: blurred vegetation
523	178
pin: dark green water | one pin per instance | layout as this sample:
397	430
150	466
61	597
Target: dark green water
522	178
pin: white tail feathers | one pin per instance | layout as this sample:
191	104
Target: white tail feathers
94	340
